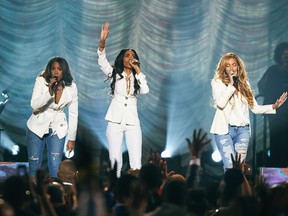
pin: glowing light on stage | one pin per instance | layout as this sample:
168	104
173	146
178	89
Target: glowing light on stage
166	154
216	157
15	149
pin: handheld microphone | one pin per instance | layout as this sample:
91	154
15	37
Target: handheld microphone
235	79
55	83
136	63
5	93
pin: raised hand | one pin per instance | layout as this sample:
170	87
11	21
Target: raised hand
155	158
198	143
103	36
136	65
236	162
261	186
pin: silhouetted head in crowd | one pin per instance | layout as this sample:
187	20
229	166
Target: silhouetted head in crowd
151	175
175	192
233	178
197	201
67	171
123	186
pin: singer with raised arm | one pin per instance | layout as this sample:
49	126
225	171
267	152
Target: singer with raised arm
127	81
54	91
233	97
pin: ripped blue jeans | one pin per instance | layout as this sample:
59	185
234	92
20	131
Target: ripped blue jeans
237	140
35	148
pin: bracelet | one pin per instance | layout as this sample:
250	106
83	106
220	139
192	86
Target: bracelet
101	46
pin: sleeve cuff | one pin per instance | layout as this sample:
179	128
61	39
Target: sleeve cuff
194	161
99	52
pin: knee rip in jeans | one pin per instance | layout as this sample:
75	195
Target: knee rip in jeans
242	152
241	149
55	154
223	141
33	158
242	144
244	140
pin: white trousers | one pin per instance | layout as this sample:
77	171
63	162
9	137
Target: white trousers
133	138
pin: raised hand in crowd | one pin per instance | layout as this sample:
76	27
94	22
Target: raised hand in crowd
238	165
155	158
261	187
40	194
236	162
197	143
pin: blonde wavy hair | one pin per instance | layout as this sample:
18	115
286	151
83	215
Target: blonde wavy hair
243	86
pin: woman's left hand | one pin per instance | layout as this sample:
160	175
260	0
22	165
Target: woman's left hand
70	145
280	101
136	65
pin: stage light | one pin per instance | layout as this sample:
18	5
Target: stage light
166	154
15	149
216	157
268	153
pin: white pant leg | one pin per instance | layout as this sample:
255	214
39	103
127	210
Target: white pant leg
114	133
133	136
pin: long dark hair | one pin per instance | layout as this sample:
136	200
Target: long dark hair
67	77
118	68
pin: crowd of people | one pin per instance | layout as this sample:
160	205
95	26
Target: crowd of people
154	189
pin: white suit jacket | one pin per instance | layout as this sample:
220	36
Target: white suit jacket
221	95
47	113
123	106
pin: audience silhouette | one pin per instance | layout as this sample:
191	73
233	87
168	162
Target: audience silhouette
154	190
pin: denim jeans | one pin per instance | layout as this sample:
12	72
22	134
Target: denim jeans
237	140
35	148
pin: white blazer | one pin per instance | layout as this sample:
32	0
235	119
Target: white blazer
123	106
221	95
48	114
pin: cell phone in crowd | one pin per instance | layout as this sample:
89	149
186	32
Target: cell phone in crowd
22	170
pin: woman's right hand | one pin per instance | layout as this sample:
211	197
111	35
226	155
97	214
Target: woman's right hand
52	84
103	36
230	78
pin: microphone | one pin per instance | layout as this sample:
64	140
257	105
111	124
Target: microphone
5	93
55	83
136	63
235	79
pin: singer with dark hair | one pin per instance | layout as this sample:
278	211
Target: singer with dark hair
276	77
127	81
233	97
53	92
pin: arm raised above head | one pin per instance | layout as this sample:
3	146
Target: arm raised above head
103	36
